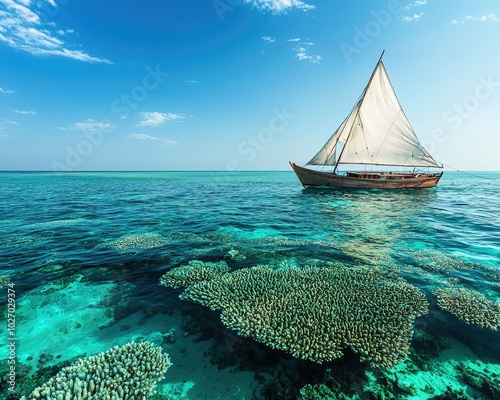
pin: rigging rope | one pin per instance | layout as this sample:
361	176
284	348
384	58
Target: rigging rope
468	173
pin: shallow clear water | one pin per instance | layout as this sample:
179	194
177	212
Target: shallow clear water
86	251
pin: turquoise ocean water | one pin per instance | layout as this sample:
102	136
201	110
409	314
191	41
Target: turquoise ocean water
86	252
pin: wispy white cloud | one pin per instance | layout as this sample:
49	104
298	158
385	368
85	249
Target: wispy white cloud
302	50
301	54
91	125
155	118
412	18
22	28
416	3
269	39
6	91
142	136
415	17
279	6
192	81
470	18
23	112
6	124
66	32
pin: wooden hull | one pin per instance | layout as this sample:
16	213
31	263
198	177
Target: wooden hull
311	178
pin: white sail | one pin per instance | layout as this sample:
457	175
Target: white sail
327	154
376	131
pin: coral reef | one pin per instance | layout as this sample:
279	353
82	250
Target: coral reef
236	255
313	313
470	306
316	392
439	268
426	346
60	222
480	381
195	271
436	261
127	372
24	240
136	242
451	394
4	280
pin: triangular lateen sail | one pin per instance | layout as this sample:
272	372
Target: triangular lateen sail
376	131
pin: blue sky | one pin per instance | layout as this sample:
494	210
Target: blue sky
237	84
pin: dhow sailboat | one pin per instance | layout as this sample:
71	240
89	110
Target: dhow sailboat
376	132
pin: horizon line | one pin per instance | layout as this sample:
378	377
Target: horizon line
185	170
